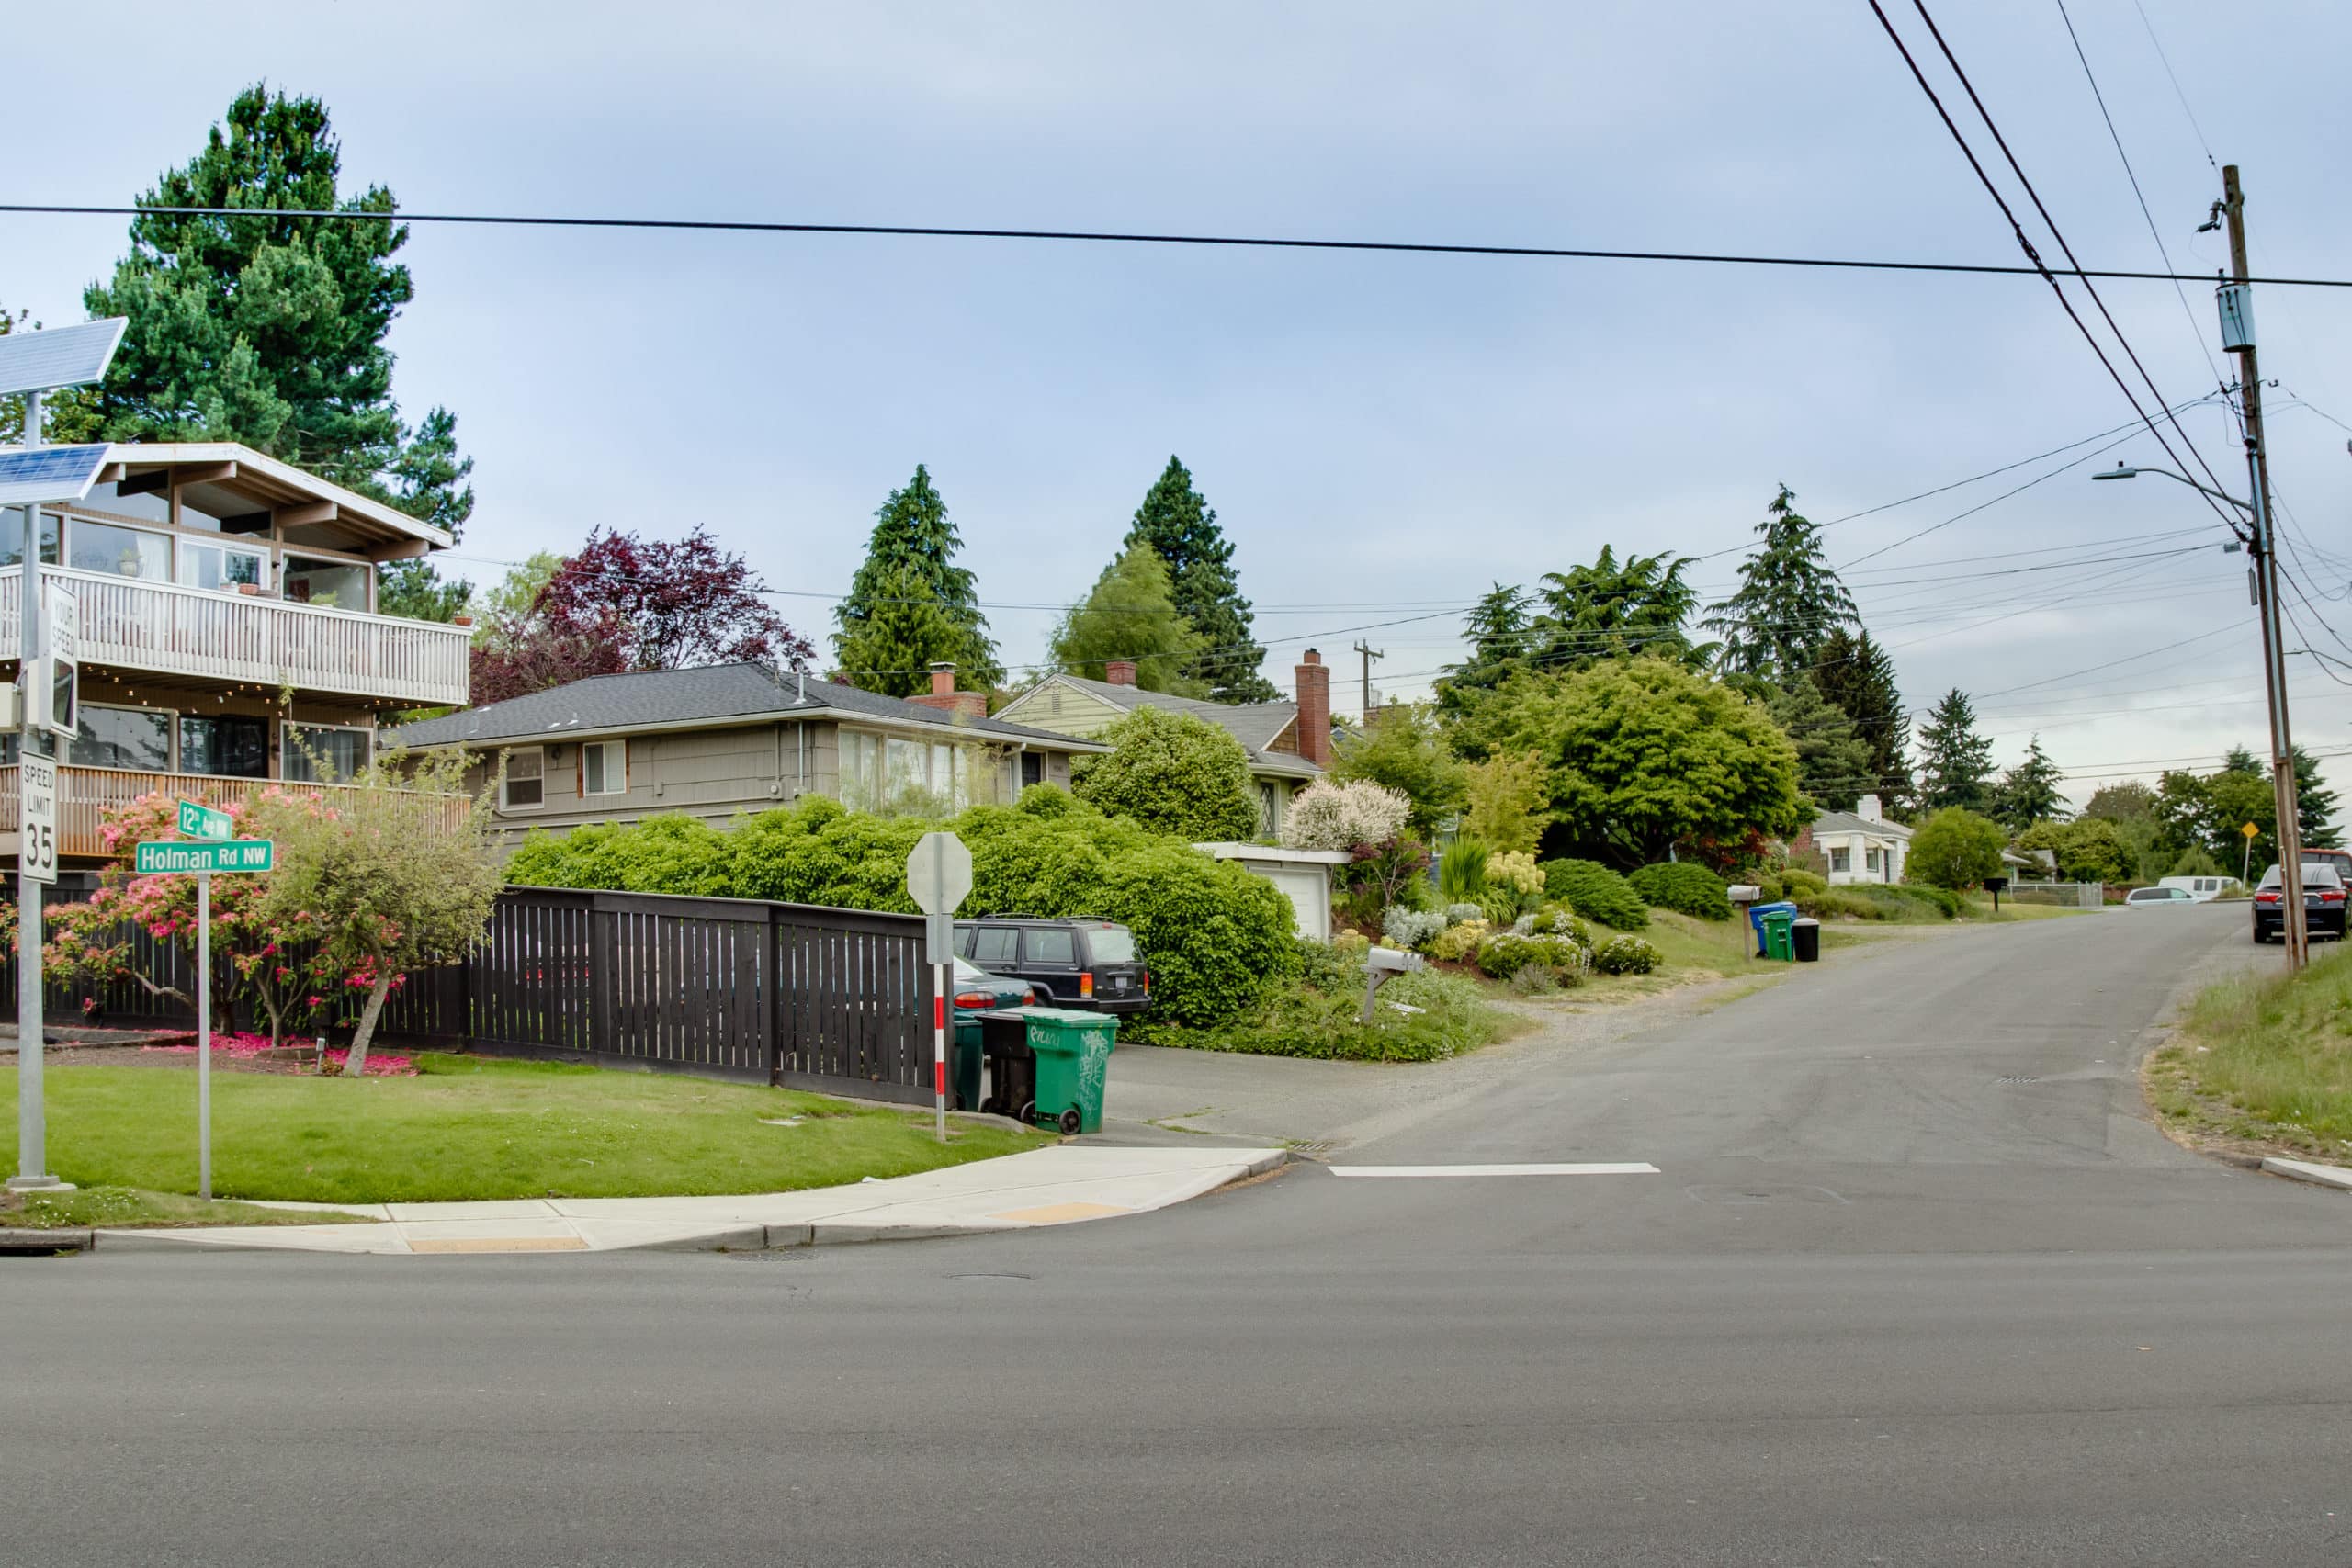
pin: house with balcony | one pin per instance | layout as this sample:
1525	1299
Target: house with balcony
230	633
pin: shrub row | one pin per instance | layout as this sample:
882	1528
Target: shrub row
1595	892
1217	939
1682	886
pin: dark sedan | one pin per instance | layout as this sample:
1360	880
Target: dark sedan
2324	904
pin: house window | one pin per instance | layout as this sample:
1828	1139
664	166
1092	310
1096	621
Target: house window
224	746
525	786
324	753
604	768
220	568
1269	810
334	584
860	781
12	538
1033	768
122	738
1870	861
1840	859
114	551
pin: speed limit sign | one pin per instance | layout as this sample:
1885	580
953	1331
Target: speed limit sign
36	853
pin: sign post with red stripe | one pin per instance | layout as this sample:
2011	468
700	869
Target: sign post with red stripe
939	877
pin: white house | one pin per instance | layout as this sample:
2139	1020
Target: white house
1862	845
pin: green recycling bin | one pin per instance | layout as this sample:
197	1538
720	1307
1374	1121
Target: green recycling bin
1779	939
1073	1052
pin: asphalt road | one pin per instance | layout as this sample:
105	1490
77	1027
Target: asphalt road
1915	1283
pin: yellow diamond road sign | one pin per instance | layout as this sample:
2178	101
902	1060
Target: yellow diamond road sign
2250	830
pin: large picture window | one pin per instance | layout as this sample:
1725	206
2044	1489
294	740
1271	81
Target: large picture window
224	746
113	551
122	738
324	753
332	584
218	567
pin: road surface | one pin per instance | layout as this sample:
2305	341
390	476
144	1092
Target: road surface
1915	1282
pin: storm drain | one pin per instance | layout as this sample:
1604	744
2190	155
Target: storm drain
1315	1148
2013	1077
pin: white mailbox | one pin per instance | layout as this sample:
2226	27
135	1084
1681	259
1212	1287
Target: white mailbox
1745	893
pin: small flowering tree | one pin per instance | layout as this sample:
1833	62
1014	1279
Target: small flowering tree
387	880
1327	815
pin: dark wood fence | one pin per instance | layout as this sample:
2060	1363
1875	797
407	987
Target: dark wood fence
794	994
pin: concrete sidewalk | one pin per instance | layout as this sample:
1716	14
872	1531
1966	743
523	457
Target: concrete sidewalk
1059	1186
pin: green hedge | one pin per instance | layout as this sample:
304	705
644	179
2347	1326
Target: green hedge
1216	938
1680	884
1597	893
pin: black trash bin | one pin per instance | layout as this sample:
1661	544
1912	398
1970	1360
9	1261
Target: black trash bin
1805	936
1012	1066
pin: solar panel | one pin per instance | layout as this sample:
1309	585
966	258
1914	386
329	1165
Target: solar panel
47	475
60	356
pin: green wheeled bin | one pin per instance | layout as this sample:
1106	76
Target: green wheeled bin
1073	1055
1778	934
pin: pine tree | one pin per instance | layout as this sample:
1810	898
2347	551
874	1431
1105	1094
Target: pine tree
270	330
910	555
1130	614
2029	792
1857	674
1955	762
1789	601
1613	611
1179	523
2315	802
1833	762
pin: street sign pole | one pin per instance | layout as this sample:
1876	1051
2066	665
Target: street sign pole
204	1036
939	873
32	1118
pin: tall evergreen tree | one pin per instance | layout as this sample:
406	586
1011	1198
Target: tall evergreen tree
910	555
1181	527
1833	761
1857	674
1130	614
2315	802
1789	601
268	329
2029	792
1609	609
1496	628
1955	762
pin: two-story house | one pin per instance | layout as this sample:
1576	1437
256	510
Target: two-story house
722	740
1288	744
229	632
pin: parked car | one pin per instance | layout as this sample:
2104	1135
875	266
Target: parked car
2203	889
2151	897
2324	904
2337	860
1090	964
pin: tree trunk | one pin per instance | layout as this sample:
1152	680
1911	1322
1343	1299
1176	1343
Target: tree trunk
355	1064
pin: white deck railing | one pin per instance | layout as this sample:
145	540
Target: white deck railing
130	623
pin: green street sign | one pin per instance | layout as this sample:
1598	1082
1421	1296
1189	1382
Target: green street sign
175	855
203	822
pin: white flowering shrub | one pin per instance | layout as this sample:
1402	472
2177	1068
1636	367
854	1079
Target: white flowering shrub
1327	815
1626	955
1461	914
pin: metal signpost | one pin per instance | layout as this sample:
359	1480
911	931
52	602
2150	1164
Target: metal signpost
939	875
2246	860
216	851
32	363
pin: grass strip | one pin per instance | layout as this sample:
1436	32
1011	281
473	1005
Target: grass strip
2266	1058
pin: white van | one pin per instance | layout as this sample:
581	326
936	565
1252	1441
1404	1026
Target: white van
2204	889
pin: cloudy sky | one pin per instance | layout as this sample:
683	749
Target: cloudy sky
1383	435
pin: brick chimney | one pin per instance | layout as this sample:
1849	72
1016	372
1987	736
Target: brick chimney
944	695
1314	708
1120	672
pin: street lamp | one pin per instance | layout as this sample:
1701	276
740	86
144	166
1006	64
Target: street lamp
2125	472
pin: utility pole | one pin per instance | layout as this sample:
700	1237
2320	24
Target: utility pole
1370	654
32	1106
2292	924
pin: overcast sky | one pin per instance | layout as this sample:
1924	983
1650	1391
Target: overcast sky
1383	437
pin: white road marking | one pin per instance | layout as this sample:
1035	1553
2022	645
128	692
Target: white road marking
1633	1169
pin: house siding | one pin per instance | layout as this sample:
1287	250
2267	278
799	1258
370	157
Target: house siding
1065	710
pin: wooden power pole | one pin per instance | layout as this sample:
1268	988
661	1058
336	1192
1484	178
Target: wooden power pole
1370	653
2293	928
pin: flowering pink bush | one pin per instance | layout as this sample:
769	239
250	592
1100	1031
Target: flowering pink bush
243	1044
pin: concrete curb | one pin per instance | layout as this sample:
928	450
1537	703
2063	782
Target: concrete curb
18	1239
2333	1175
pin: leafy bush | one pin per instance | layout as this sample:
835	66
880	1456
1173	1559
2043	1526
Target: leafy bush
1501	905
1680	884
1626	955
1461	871
1326	965
1834	903
1174	774
1448	1016
1459	941
1943	900
1596	892
1554	919
1327	816
1214	936
1796	881
1535	980
1411	928
1504	955
1955	849
1516	871
1457	913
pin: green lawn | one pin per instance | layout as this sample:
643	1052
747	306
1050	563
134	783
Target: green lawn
472	1128
2265	1057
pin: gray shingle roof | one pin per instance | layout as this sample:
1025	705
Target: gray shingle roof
1848	822
1255	724
667	698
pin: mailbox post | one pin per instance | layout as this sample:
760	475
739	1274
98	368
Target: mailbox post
1383	964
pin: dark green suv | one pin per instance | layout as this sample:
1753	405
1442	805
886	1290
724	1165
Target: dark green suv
1091	964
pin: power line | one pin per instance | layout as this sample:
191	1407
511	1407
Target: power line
2178	92
1257	242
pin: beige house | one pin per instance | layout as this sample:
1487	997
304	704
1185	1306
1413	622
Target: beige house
1861	845
726	738
1289	744
230	633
